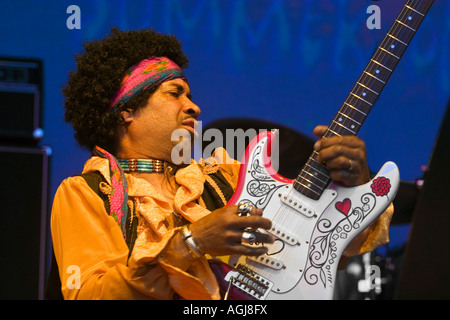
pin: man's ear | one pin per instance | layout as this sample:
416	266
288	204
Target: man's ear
126	116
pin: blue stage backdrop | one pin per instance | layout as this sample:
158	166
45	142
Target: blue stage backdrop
288	61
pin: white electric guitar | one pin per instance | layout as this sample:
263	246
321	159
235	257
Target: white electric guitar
313	218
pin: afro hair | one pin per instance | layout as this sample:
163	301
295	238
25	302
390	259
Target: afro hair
98	75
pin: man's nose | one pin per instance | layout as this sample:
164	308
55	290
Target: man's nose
192	109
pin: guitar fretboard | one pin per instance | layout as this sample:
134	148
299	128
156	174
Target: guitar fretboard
314	177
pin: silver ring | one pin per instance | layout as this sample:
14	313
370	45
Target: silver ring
244	208
351	165
248	237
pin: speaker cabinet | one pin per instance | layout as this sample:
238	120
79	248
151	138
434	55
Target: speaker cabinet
21	101
24	221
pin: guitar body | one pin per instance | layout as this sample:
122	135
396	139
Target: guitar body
314	219
311	234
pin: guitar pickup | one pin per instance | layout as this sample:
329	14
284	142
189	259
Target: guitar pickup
284	235
267	261
297	205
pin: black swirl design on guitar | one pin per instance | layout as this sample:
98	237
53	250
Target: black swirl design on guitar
322	251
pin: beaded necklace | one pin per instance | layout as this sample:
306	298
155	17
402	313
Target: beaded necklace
142	165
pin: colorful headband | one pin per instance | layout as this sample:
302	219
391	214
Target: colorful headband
144	75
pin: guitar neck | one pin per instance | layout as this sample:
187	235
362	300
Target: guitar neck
314	177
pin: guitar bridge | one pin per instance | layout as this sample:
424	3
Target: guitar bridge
248	281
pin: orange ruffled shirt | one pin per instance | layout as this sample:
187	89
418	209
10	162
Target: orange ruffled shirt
93	257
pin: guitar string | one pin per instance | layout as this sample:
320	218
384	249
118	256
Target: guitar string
281	212
395	31
381	57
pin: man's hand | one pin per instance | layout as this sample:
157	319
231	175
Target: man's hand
220	233
344	156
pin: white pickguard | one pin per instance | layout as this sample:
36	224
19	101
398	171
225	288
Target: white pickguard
312	235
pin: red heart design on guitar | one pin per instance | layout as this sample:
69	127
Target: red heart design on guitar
344	206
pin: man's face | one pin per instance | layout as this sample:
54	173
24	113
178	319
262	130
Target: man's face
169	109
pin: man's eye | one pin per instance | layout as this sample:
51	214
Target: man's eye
175	94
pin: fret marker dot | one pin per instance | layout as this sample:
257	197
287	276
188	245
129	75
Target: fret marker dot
409	18
340	119
364	94
392	46
353	126
309	184
377	71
